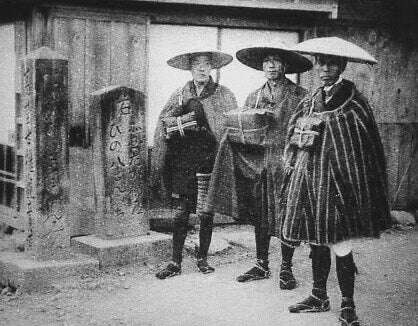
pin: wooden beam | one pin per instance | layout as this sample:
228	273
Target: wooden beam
330	6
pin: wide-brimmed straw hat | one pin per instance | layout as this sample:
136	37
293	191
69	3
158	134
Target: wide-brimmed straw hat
335	46
182	61
253	57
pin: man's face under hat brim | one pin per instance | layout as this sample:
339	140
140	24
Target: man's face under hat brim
253	57
182	61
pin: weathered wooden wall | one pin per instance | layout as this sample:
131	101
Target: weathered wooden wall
103	49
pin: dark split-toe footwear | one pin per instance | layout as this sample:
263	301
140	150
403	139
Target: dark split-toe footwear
172	269
204	267
287	280
348	316
311	304
258	272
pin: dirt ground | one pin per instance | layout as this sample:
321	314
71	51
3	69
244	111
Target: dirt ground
386	291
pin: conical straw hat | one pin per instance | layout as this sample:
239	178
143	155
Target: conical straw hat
182	61
334	46
253	57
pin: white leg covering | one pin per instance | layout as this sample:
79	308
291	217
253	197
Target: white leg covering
342	248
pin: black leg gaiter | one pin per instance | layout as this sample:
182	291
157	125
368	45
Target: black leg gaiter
205	234
321	264
287	248
262	241
181	221
346	270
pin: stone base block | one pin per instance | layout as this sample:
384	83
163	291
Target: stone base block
150	248
403	218
22	271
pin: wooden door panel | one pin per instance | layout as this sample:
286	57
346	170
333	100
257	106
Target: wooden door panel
69	40
103	48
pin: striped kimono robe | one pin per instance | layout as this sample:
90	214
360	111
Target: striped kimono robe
337	189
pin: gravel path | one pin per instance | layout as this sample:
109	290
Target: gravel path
386	292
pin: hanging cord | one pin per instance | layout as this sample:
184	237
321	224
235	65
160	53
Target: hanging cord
240	116
240	128
178	119
258	98
181	99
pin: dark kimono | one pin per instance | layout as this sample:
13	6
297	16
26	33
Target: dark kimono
175	161
245	178
337	189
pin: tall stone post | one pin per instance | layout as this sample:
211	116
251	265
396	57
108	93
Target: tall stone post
45	145
119	159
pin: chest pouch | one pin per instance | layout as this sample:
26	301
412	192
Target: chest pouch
307	132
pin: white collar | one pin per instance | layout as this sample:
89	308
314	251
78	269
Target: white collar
328	88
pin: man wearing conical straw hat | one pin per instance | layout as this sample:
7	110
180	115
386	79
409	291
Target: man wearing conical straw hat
187	133
246	176
336	188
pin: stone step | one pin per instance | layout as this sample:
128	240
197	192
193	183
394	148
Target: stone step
22	271
150	248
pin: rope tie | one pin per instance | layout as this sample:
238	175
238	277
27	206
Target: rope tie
258	99
180	126
240	127
240	118
302	132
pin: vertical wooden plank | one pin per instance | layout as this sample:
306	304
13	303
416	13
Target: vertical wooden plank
396	85
309	79
393	161
69	40
20	51
412	194
138	56
390	139
37	28
11	186
405	151
82	201
119	47
98	57
2	167
128	52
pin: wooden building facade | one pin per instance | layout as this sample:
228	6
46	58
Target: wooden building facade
112	43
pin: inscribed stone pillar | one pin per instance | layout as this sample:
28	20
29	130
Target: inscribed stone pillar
119	158
45	114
